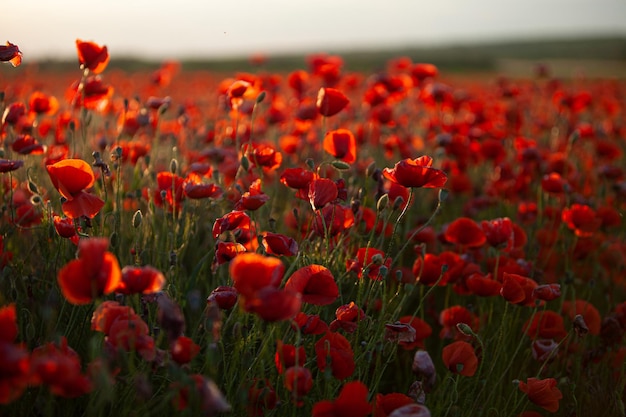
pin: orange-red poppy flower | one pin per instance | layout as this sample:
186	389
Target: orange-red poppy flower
195	188
140	280
321	192
518	289
252	272
348	317
310	323
333	219
92	56
416	173
330	101
273	304
252	199
341	144
10	52
27	145
169	193
96	272
95	95
336	347
351	402
298	178
460	358
316	284
41	103
71	177
543	392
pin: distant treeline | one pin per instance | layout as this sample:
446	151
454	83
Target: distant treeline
478	57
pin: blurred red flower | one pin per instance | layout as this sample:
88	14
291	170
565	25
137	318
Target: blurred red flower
460	358
542	392
96	272
298	381
92	56
341	144
351	402
466	233
10	52
288	355
140	280
369	261
252	272
183	350
581	219
330	101
316	284
386	403
225	297
545	325
71	177
517	289
588	311
7	165
336	347
416	173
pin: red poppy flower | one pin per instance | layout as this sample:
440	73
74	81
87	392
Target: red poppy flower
263	155
429	269
261	397
386	404
41	103
288	355
95	95
542	392
231	221
351	402
310	323
27	145
371	259
517	289
226	251
333	219
8	324
16	371
7	165
169	193
96	272
64	226
71	177
277	244
499	233
225	297
106	313
321	192
422	71
252	199
341	144
316	284
545	325
251	272
195	188
451	316
547	292
298	178
92	56
331	101
337	347
422	332
130	334
59	367
460	358
298	381
581	219
272	304
465	232
416	173
183	350
588	311
140	280
483	286
10	53
14	113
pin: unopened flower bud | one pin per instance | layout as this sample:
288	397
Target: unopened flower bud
137	219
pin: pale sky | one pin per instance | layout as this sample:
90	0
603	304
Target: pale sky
160	29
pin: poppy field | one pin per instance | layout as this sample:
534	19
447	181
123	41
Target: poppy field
318	242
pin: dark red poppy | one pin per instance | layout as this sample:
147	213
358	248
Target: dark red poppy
14	113
416	173
499	233
263	155
252	199
543	392
434	269
422	71
64	226
261	397
298	81
368	261
59	367
545	325
330	101
387	403
7	165
422	332
224	296
96	272
27	145
483	285
298	178
106	313
10	52
588	311
226	251
183	350
351	402
298	381
341	144
169	193
71	177
8	324
140	280
194	187
581	219
310	323
466	233
333	219
288	355
273	304
277	244
460	358
553	183
130	334
547	292
316	284
451	316
92	56
235	220
336	347
517	289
